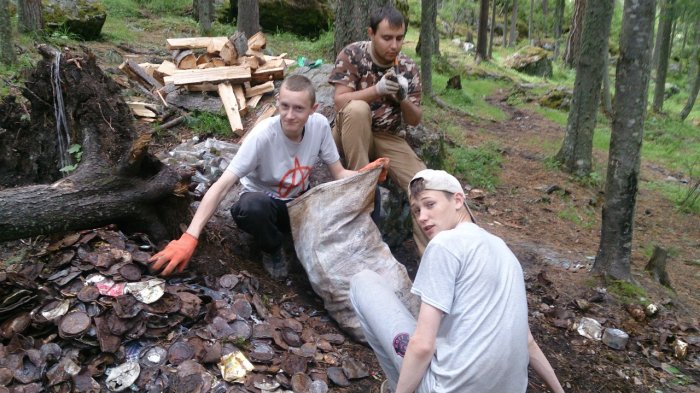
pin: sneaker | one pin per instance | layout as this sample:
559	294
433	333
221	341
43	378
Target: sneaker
387	387
276	264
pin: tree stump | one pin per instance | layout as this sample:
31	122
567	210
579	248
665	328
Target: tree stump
116	180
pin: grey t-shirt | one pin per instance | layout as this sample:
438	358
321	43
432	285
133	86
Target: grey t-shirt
270	162
474	278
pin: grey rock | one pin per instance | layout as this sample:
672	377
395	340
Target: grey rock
83	17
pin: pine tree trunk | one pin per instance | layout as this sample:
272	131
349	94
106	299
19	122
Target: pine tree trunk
352	20
492	28
573	44
482	36
577	149
514	24
505	24
7	50
427	29
248	19
695	87
206	14
30	17
632	78
664	37
607	100
529	22
558	22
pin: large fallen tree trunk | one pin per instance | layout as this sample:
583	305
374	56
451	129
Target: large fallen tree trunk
116	180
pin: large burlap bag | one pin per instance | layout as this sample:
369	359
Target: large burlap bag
335	238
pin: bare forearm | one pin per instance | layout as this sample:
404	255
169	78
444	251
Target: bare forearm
412	113
415	364
541	366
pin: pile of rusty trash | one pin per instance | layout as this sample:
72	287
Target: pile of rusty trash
83	314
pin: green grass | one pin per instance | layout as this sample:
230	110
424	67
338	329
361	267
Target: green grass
581	217
627	292
205	123
478	166
296	46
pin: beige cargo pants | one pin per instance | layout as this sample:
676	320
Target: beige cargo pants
355	140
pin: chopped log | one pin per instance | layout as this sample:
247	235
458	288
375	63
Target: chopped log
657	266
273	63
257	41
248	61
240	97
229	54
195	43
217	43
233	74
253	101
138	74
231	106
218	62
140	105
258	55
280	56
203	59
268	74
150	68
185	59
117	181
206	86
166	68
260	89
240	42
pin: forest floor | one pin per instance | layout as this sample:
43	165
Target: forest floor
553	225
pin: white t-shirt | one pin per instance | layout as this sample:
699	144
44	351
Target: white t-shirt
474	278
270	162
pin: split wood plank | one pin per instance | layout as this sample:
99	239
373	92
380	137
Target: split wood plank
240	97
259	89
271	74
257	41
206	86
196	42
166	68
231	106
134	71
233	74
253	101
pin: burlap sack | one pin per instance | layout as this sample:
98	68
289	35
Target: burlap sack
335	238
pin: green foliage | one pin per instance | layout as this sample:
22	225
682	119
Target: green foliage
627	292
205	123
76	153
478	166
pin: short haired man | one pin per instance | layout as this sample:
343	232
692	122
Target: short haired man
273	164
472	332
377	90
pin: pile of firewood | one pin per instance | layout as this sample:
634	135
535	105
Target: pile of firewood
235	67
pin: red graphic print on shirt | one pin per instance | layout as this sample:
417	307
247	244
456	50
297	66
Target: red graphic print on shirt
293	178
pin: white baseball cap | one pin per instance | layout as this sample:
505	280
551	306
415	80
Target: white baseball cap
440	180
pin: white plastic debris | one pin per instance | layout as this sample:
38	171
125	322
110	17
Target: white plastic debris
590	328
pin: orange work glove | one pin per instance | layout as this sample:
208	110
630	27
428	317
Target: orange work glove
176	255
382	162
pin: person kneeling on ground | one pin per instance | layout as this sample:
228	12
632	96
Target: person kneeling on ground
273	164
472	331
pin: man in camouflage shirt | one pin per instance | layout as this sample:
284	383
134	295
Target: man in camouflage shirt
377	91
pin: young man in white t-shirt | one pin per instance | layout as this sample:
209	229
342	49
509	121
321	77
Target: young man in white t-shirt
273	164
472	332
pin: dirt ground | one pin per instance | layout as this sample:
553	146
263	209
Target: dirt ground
556	254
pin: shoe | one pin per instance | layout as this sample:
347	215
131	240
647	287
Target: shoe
276	264
387	387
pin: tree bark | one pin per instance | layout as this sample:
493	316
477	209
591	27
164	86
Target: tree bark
657	266
30	16
7	50
664	36
573	44
577	149
514	24
352	21
695	87
482	35
529	22
505	24
558	23
248	19
492	28
116	181
427	29
631	84
607	99
206	15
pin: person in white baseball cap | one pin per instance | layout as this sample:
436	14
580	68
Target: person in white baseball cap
472	332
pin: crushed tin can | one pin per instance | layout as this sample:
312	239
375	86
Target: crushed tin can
123	376
234	367
146	291
590	328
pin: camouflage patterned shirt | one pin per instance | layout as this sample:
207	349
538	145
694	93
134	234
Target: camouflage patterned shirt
355	69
